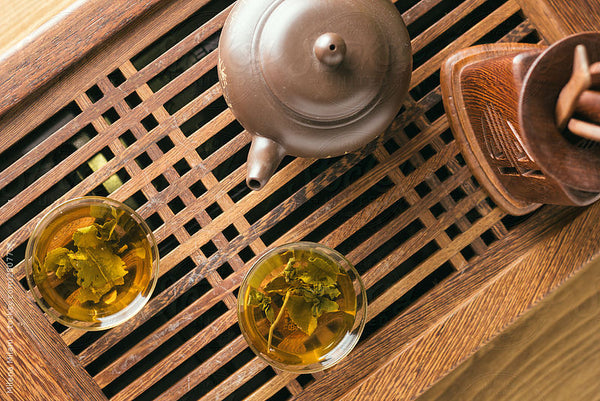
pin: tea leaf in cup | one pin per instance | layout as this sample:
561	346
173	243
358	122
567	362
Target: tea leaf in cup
58	260
300	312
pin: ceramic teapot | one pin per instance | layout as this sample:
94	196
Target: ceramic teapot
312	78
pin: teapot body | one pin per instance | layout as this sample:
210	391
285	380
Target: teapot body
318	78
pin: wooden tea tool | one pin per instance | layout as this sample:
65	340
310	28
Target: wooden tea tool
501	101
576	97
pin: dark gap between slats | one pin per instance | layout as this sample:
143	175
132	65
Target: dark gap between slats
405	5
426	86
171	345
174	274
192	91
251	385
532	38
319	199
82	342
184	63
402	303
350	210
501	30
468	253
136	200
59	327
281	395
488	237
38	135
402	270
225	270
456	30
94	93
231	164
370	229
511	222
219	139
178	33
436	111
203	117
209	249
220	375
176	205
196	360
17	255
167	245
430	17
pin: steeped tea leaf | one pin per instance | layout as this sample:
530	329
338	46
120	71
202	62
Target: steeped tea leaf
87	237
309	289
98	271
97	267
300	312
323	306
256	298
100	211
58	261
279	285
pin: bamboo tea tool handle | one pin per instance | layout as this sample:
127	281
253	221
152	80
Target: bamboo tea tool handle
588	106
582	79
584	129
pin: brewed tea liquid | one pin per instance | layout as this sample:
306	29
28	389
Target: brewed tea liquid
290	345
62	293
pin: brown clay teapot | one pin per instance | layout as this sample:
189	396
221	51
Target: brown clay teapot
312	78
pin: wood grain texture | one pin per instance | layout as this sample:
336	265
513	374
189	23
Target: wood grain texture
63	43
551	353
22	18
481	87
556	19
524	283
405	209
400	334
36	365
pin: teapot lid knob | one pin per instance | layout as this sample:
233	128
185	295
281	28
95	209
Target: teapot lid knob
330	49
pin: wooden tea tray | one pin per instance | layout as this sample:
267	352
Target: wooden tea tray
121	98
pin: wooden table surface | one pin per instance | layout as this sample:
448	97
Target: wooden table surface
448	273
21	18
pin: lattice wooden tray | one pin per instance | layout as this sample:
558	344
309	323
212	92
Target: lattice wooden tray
141	118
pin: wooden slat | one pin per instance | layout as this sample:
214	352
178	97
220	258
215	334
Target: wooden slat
473	319
20	20
529	358
556	19
437	29
401	331
418	10
471	36
35	363
77	33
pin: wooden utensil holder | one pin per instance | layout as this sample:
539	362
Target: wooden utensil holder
500	100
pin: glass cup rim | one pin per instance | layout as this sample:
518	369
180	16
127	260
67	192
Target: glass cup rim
244	286
46	219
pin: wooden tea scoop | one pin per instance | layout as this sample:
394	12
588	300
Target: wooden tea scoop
584	129
588	106
582	79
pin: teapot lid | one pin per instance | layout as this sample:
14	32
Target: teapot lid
320	77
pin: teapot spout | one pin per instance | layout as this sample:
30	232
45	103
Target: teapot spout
263	158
